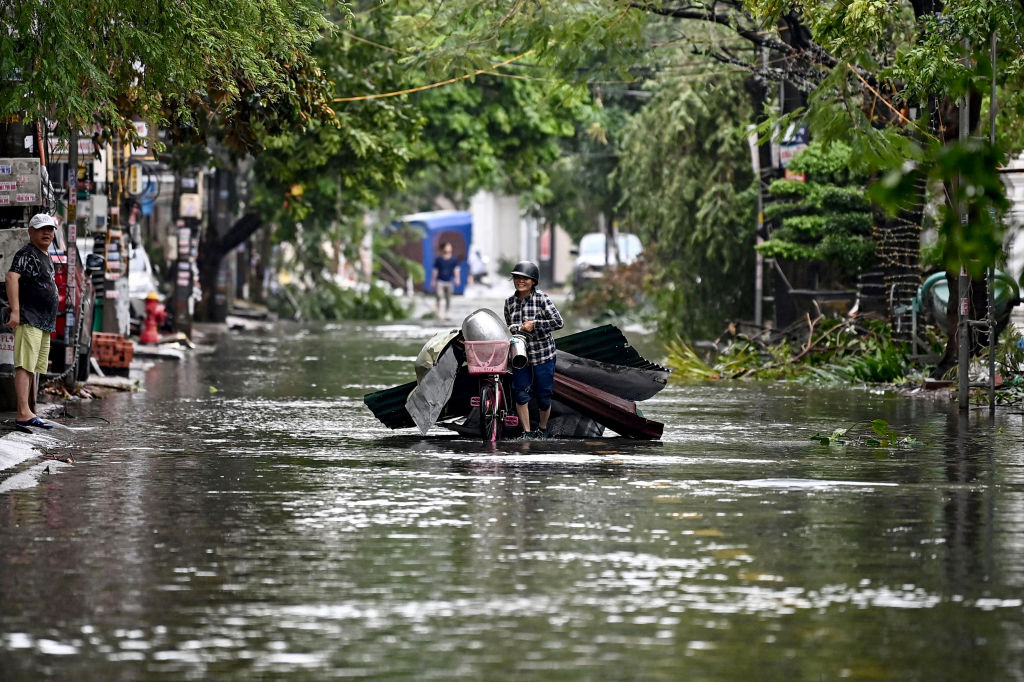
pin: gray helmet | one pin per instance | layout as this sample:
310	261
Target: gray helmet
525	268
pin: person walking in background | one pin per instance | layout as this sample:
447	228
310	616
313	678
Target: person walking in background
32	297
537	317
445	278
477	267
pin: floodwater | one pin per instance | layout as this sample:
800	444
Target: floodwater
247	518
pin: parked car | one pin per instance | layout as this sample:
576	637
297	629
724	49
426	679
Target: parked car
591	259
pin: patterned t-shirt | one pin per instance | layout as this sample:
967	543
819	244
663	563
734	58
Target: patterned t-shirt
37	288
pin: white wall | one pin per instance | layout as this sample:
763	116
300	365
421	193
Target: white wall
498	230
503	233
1013	243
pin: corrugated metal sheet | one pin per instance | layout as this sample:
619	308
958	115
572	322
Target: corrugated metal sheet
605	344
389	405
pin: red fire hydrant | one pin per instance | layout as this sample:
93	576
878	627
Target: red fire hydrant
155	316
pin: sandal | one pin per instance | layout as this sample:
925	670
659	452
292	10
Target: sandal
34	421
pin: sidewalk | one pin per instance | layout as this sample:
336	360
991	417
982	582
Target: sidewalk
476	296
17	446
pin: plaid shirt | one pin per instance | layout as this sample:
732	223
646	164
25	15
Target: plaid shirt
540	345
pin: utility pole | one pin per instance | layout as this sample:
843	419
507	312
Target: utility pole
115	310
188	213
991	269
964	283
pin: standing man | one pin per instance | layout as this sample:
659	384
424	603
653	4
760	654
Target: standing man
32	295
445	278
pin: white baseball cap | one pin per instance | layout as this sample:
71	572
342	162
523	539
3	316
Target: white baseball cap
42	220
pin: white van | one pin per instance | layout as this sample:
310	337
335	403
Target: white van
591	259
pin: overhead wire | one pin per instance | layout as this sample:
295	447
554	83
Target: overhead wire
430	86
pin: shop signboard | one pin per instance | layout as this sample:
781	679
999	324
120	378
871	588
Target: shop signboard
20	183
793	142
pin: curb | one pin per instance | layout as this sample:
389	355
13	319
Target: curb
17	446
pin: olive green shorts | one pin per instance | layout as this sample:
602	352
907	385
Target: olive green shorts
31	348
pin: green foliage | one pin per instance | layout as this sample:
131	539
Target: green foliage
620	293
875	365
836	351
786	250
1010	352
893	95
582	186
882	435
968	171
244	63
1009	367
399	154
823	219
485	127
324	177
866	64
493	133
829	164
328	301
686	186
686	364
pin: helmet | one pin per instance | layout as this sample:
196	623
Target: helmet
525	268
42	220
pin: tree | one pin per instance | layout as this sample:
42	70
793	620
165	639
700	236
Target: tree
244	62
412	127
824	218
886	82
237	70
686	183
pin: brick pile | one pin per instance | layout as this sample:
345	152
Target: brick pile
112	351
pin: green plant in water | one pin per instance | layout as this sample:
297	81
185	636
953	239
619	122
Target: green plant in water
1010	352
882	436
1009	362
685	362
836	351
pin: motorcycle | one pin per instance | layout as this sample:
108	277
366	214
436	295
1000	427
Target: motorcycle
492	349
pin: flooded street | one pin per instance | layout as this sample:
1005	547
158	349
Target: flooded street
246	517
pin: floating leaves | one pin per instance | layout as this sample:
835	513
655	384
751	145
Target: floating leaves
882	435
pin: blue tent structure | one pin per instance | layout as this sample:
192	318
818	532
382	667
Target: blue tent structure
455	227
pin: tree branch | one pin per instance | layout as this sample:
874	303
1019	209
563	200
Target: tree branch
804	56
244	228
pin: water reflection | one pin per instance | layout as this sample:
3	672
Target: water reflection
270	528
970	502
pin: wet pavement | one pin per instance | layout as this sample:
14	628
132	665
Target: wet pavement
246	518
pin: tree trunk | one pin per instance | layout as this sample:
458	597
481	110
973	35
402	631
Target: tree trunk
212	251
